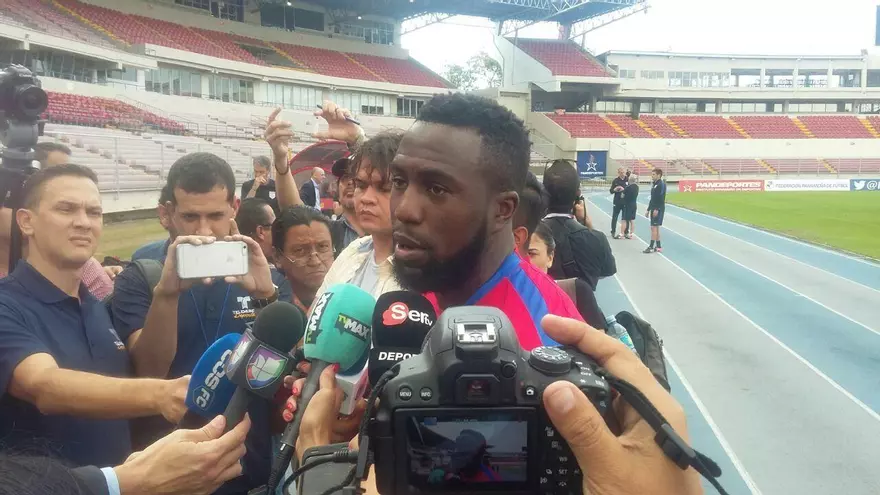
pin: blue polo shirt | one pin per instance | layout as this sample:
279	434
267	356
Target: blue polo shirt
37	317
152	251
204	314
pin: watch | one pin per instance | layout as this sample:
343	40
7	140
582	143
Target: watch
262	303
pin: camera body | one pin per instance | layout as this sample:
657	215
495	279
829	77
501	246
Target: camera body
21	97
466	415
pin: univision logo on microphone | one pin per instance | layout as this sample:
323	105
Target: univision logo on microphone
399	312
264	367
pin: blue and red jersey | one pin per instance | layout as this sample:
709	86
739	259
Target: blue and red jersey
525	294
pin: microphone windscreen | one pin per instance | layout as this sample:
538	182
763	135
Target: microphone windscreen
209	389
400	323
279	325
402	319
338	327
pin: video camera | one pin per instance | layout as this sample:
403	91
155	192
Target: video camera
466	414
22	101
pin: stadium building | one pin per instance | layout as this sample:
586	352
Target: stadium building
134	85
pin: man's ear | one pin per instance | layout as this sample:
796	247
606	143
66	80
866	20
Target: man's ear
25	220
236	202
164	213
506	204
521	240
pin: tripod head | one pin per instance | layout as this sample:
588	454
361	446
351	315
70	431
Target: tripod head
22	101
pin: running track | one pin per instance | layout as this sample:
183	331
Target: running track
773	346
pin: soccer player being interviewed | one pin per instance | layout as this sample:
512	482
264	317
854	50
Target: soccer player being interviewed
656	208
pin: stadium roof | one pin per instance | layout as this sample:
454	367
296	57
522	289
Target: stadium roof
565	11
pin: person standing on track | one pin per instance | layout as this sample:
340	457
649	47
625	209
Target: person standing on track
617	187
630	198
656	208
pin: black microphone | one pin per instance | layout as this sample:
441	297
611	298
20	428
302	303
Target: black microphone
400	323
262	358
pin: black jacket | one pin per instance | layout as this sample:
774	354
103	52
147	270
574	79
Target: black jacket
91	480
580	252
658	195
307	193
618	196
265	192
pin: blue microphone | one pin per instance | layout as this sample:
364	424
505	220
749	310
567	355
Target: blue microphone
209	389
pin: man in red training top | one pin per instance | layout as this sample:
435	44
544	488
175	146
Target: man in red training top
454	191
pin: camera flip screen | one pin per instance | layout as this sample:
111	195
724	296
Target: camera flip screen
454	450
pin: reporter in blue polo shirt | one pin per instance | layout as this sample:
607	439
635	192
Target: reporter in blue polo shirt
63	368
168	329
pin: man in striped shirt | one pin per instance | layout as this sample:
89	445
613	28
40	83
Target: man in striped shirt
454	191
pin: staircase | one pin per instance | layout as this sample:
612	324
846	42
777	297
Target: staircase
91	24
870	127
646	163
742	132
803	127
827	165
766	165
616	127
287	56
678	130
709	167
647	129
362	66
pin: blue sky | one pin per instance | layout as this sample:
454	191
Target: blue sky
790	27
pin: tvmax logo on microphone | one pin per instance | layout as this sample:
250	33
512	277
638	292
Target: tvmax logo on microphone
206	392
350	325
399	312
312	330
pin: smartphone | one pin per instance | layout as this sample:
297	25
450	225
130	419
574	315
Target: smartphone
317	480
216	260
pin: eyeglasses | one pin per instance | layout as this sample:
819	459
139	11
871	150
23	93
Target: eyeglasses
302	255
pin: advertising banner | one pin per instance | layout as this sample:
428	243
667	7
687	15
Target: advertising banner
592	164
691	185
785	185
864	185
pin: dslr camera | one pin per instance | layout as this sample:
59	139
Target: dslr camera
22	101
466	415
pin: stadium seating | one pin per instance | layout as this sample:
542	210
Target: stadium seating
706	127
46	18
399	71
660	126
585	125
769	127
836	126
856	165
67	108
327	62
563	58
629	125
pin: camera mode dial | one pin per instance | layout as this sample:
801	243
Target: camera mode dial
550	360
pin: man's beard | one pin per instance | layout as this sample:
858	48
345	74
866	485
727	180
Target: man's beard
443	275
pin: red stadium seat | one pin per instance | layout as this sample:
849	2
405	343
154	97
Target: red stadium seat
563	58
47	18
584	125
769	127
400	71
706	127
65	108
836	126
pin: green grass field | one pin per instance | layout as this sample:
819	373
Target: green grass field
122	238
847	221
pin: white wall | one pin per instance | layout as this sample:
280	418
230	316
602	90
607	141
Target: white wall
112	202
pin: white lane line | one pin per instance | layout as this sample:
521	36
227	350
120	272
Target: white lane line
725	445
841	277
769	335
771	279
784	238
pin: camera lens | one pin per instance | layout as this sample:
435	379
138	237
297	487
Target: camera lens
30	100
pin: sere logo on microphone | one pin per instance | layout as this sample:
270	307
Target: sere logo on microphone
399	312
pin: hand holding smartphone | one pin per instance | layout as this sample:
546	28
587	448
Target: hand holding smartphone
215	260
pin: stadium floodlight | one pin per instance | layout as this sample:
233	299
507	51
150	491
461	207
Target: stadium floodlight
583	27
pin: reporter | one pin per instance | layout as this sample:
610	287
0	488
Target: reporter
628	463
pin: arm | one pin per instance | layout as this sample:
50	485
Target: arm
278	134
253	190
38	380
146	321
613	185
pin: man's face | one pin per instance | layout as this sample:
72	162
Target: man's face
307	254
442	209
65	226
655	176
372	200
621	172
318	175
260	171
346	192
207	214
264	233
55	158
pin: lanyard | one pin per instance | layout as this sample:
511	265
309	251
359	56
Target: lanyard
202	322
